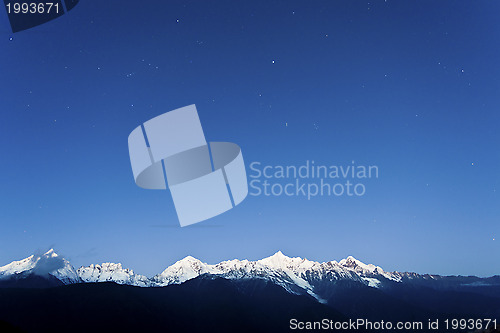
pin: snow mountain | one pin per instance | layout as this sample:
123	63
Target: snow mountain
49	264
296	275
109	272
272	288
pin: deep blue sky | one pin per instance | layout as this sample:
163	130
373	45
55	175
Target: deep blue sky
410	86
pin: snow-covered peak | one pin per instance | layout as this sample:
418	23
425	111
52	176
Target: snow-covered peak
353	263
277	260
51	253
188	263
279	255
366	270
281	261
111	272
350	258
47	264
188	260
17	267
183	270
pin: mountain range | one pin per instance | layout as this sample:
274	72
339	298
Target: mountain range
296	275
348	288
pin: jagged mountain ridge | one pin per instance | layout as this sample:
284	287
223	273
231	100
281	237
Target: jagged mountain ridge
49	263
110	272
296	275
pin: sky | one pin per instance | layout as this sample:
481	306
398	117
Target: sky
411	87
